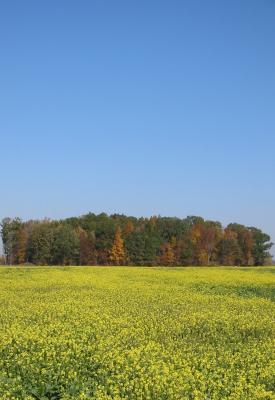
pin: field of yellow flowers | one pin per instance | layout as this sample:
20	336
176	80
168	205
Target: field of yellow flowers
137	333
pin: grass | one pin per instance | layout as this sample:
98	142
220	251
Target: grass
137	333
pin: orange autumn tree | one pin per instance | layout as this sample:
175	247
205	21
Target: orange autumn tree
205	236
117	252
129	228
167	256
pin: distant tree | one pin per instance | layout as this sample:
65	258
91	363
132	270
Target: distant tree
87	251
261	245
167	256
184	251
229	251
192	220
88	222
245	242
65	246
10	228
205	236
104	233
117	252
40	249
21	246
129	228
167	228
135	248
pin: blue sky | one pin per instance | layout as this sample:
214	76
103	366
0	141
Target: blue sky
138	107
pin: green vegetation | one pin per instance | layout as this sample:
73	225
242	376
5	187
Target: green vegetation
137	333
120	240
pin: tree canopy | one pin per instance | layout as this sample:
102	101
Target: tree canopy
120	240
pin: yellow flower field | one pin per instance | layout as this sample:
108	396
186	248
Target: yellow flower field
137	333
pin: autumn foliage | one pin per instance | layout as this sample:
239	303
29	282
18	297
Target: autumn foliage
117	252
119	240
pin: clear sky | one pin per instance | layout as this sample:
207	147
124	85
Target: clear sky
138	107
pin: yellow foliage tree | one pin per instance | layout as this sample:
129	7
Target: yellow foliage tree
117	252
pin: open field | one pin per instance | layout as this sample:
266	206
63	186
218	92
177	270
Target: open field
137	333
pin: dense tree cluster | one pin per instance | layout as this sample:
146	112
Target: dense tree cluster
119	240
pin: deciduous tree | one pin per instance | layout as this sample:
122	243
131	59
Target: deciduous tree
117	253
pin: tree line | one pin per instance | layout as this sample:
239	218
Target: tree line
120	240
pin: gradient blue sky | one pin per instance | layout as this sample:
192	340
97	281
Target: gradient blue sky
138	107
